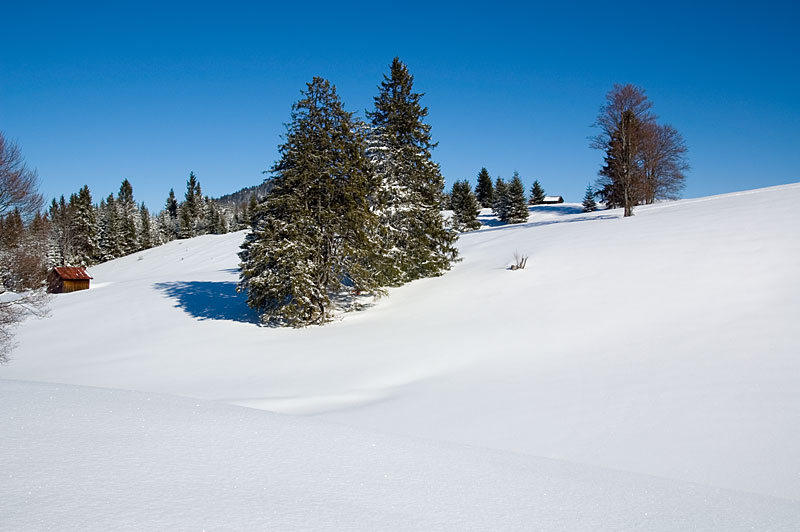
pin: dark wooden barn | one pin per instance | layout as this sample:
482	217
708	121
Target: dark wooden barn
64	279
552	200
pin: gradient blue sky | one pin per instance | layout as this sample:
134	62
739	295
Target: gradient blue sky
94	94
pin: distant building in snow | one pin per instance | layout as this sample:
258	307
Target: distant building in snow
552	200
64	279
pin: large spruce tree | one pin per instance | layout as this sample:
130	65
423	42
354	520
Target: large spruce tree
128	219
313	240
484	190
415	236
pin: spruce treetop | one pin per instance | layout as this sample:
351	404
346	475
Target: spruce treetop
537	193
484	189
398	111
589	204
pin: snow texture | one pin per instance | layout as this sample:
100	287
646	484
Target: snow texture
95	459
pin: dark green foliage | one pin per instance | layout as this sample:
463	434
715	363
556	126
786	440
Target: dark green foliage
537	193
465	207
168	221
500	199
60	249
484	189
11	229
190	210
252	204
127	218
215	223
589	204
109	230
416	240
172	205
83	228
146	239
313	238
517	209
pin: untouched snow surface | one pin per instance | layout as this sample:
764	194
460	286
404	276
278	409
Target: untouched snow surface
96	459
661	345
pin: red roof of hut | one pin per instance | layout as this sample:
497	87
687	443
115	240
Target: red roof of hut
71	272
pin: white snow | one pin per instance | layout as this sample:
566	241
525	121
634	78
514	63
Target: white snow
661	345
96	459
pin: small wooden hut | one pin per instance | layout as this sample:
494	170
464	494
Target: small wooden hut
64	279
552	200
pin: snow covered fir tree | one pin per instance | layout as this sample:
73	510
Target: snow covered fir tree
415	235
315	238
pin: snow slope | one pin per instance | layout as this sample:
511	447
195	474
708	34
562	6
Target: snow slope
662	344
90	459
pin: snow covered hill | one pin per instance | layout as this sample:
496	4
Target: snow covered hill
660	345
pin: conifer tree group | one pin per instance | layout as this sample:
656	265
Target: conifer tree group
354	206
509	203
77	232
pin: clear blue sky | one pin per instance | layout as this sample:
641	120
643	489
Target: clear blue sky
96	94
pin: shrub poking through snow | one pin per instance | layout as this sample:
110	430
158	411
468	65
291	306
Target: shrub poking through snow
520	261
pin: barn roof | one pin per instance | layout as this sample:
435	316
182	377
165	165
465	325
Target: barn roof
71	273
552	198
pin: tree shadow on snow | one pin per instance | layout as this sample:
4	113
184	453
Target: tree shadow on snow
558	208
490	223
207	300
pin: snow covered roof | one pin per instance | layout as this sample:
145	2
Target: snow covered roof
553	198
71	273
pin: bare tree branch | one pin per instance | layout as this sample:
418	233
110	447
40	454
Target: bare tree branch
18	184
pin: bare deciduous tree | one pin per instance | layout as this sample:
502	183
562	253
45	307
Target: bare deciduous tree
663	163
22	267
622	122
644	161
18	183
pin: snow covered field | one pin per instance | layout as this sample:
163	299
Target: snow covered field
639	374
